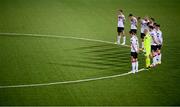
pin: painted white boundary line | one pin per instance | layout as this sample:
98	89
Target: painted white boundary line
55	36
64	82
69	82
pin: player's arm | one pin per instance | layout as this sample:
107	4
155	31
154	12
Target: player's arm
136	23
124	19
139	19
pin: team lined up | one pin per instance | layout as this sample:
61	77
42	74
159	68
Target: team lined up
151	39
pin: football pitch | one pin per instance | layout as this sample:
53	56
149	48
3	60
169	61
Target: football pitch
62	52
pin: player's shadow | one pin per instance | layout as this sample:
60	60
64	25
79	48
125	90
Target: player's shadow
102	57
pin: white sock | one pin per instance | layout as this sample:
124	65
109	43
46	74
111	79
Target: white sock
142	45
160	57
118	39
137	65
133	66
124	39
154	60
157	58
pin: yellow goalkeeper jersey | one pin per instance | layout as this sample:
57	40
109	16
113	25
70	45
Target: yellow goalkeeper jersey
147	44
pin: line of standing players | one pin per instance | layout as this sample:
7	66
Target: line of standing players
151	39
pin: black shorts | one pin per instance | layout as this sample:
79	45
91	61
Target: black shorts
134	55
120	29
159	47
134	30
154	47
142	35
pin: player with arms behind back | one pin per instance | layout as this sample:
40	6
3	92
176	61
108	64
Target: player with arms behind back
120	28
134	51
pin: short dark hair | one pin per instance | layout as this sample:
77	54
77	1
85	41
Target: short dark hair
152	19
158	25
120	10
130	14
148	24
151	27
139	18
155	24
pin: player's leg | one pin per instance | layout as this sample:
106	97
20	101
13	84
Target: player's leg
148	57
124	38
159	55
148	61
118	39
123	35
154	59
137	64
154	54
133	65
133	62
118	36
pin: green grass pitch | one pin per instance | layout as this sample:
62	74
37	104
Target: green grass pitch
36	60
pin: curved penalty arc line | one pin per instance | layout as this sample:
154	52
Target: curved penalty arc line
69	82
64	82
60	36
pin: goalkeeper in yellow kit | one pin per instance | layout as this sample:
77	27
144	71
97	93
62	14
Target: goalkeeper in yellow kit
147	47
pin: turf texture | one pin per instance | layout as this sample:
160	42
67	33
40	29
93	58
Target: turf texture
32	60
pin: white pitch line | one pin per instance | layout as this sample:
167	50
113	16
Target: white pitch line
56	36
64	82
69	82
